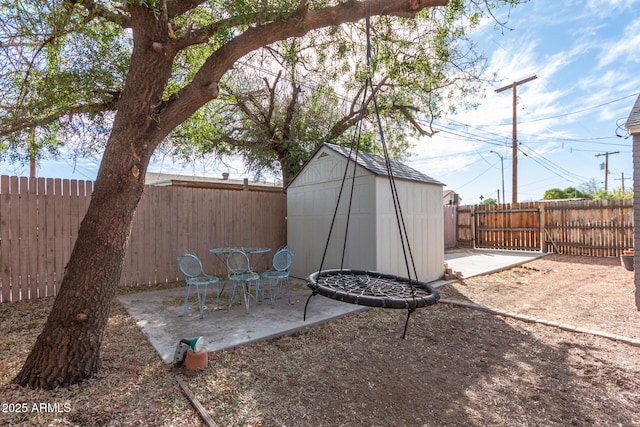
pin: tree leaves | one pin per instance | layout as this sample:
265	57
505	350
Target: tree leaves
64	65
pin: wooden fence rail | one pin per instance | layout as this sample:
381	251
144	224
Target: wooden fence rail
39	221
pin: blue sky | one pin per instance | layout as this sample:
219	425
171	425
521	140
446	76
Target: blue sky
586	56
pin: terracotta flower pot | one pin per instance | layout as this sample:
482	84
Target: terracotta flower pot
196	361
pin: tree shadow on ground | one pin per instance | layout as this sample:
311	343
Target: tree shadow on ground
458	367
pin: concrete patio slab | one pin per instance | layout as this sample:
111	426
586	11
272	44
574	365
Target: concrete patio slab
475	262
159	313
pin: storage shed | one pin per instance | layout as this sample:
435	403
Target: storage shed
373	239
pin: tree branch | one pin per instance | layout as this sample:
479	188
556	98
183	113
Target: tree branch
242	105
22	125
272	97
405	110
204	86
291	109
358	110
97	10
179	7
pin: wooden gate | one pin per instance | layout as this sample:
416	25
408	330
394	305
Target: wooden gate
464	221
515	227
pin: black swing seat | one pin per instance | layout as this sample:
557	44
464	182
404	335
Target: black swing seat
373	289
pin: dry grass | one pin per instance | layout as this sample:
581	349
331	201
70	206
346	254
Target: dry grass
457	367
134	386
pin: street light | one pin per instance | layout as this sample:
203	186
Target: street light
502	167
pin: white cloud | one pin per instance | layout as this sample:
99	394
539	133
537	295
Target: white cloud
601	6
510	63
625	49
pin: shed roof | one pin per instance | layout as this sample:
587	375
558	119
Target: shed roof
633	122
376	165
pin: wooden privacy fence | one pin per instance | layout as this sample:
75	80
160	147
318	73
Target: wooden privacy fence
39	220
592	228
581	227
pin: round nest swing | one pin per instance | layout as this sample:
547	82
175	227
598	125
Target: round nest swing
373	289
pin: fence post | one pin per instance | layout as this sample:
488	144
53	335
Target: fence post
543	228
473	226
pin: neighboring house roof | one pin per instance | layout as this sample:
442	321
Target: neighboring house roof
376	165
450	193
633	122
175	180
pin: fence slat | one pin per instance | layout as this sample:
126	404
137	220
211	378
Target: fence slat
15	239
41	240
49	225
5	244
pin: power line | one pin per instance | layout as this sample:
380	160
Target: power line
535	156
496	134
552	167
473	179
575	112
594	151
542	137
467	136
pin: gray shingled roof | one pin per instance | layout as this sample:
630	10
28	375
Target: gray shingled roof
376	165
634	116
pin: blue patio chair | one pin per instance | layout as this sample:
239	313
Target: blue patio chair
191	266
276	276
240	273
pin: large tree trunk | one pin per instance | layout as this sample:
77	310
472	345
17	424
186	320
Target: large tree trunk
67	350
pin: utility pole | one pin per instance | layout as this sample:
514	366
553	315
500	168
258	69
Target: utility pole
621	179
514	137
606	167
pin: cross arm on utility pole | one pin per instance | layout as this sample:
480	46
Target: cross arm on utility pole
621	179
518	83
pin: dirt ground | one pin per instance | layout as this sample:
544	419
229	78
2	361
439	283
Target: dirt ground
457	367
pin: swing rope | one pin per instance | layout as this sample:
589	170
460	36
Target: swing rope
364	287
355	148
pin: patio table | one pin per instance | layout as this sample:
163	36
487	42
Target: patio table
255	254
